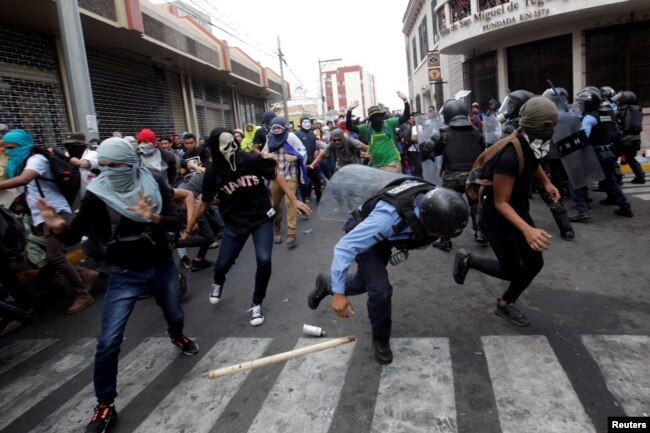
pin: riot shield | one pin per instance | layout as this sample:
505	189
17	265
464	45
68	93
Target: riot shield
431	170
428	126
491	130
350	187
577	155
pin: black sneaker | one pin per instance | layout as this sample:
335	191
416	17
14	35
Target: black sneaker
189	347
443	244
638	180
198	265
103	419
624	211
257	315
383	354
186	262
460	266
511	313
322	289
215	293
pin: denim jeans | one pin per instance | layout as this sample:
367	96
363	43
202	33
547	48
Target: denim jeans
124	288
232	244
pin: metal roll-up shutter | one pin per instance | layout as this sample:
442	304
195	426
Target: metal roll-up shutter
214	107
130	96
31	93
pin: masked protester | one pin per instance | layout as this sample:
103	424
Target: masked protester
132	211
505	218
236	178
306	135
384	149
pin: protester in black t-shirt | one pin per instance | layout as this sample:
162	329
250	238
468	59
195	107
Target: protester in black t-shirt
505	218
237	178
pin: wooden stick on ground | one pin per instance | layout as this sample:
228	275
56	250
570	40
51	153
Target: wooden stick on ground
261	362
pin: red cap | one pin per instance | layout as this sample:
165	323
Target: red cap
146	135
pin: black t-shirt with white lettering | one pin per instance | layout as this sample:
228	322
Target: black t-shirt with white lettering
244	199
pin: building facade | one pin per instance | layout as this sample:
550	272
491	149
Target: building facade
347	84
149	68
491	47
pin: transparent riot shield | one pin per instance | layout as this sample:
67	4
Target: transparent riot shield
431	170
350	187
491	130
428	126
577	155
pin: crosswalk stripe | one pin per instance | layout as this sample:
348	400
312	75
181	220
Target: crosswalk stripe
139	368
21	350
532	391
623	360
635	189
25	392
197	402
645	197
416	391
306	394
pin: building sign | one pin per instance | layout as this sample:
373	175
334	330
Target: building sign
503	15
433	63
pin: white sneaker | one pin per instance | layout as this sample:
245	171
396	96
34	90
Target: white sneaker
215	293
257	315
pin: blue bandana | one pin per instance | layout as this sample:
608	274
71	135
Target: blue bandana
18	156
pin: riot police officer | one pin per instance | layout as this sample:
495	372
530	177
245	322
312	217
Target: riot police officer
406	214
598	128
459	143
630	120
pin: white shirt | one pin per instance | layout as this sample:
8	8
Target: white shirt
51	191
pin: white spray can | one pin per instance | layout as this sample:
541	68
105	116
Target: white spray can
313	330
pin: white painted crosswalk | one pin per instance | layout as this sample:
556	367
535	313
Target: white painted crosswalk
532	391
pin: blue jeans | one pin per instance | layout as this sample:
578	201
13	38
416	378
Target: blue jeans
232	244
124	288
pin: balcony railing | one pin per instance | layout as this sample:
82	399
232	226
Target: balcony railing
459	9
489	4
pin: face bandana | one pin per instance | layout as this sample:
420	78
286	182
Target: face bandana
75	150
120	179
539	147
228	148
376	122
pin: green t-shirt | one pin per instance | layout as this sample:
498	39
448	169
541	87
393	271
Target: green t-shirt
381	146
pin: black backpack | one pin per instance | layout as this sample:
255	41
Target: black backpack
66	175
13	238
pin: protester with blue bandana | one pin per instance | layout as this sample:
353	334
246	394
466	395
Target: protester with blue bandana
24	169
131	211
287	149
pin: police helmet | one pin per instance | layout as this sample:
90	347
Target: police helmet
627	97
607	92
590	98
559	95
455	113
512	103
444	212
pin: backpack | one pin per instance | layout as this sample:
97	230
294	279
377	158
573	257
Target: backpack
482	173
385	130
66	175
631	120
13	238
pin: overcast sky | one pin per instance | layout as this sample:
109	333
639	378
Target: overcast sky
360	32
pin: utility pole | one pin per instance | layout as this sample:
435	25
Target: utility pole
76	67
320	79
284	84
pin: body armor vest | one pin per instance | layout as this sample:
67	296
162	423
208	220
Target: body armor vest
461	148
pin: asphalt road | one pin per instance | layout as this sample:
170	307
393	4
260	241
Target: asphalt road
458	367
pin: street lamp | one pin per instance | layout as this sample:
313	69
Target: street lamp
320	78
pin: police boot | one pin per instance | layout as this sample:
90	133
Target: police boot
562	220
443	244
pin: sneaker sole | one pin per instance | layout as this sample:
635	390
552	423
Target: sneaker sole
214	301
505	316
257	323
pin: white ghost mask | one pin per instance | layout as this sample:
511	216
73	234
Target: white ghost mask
306	124
228	147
